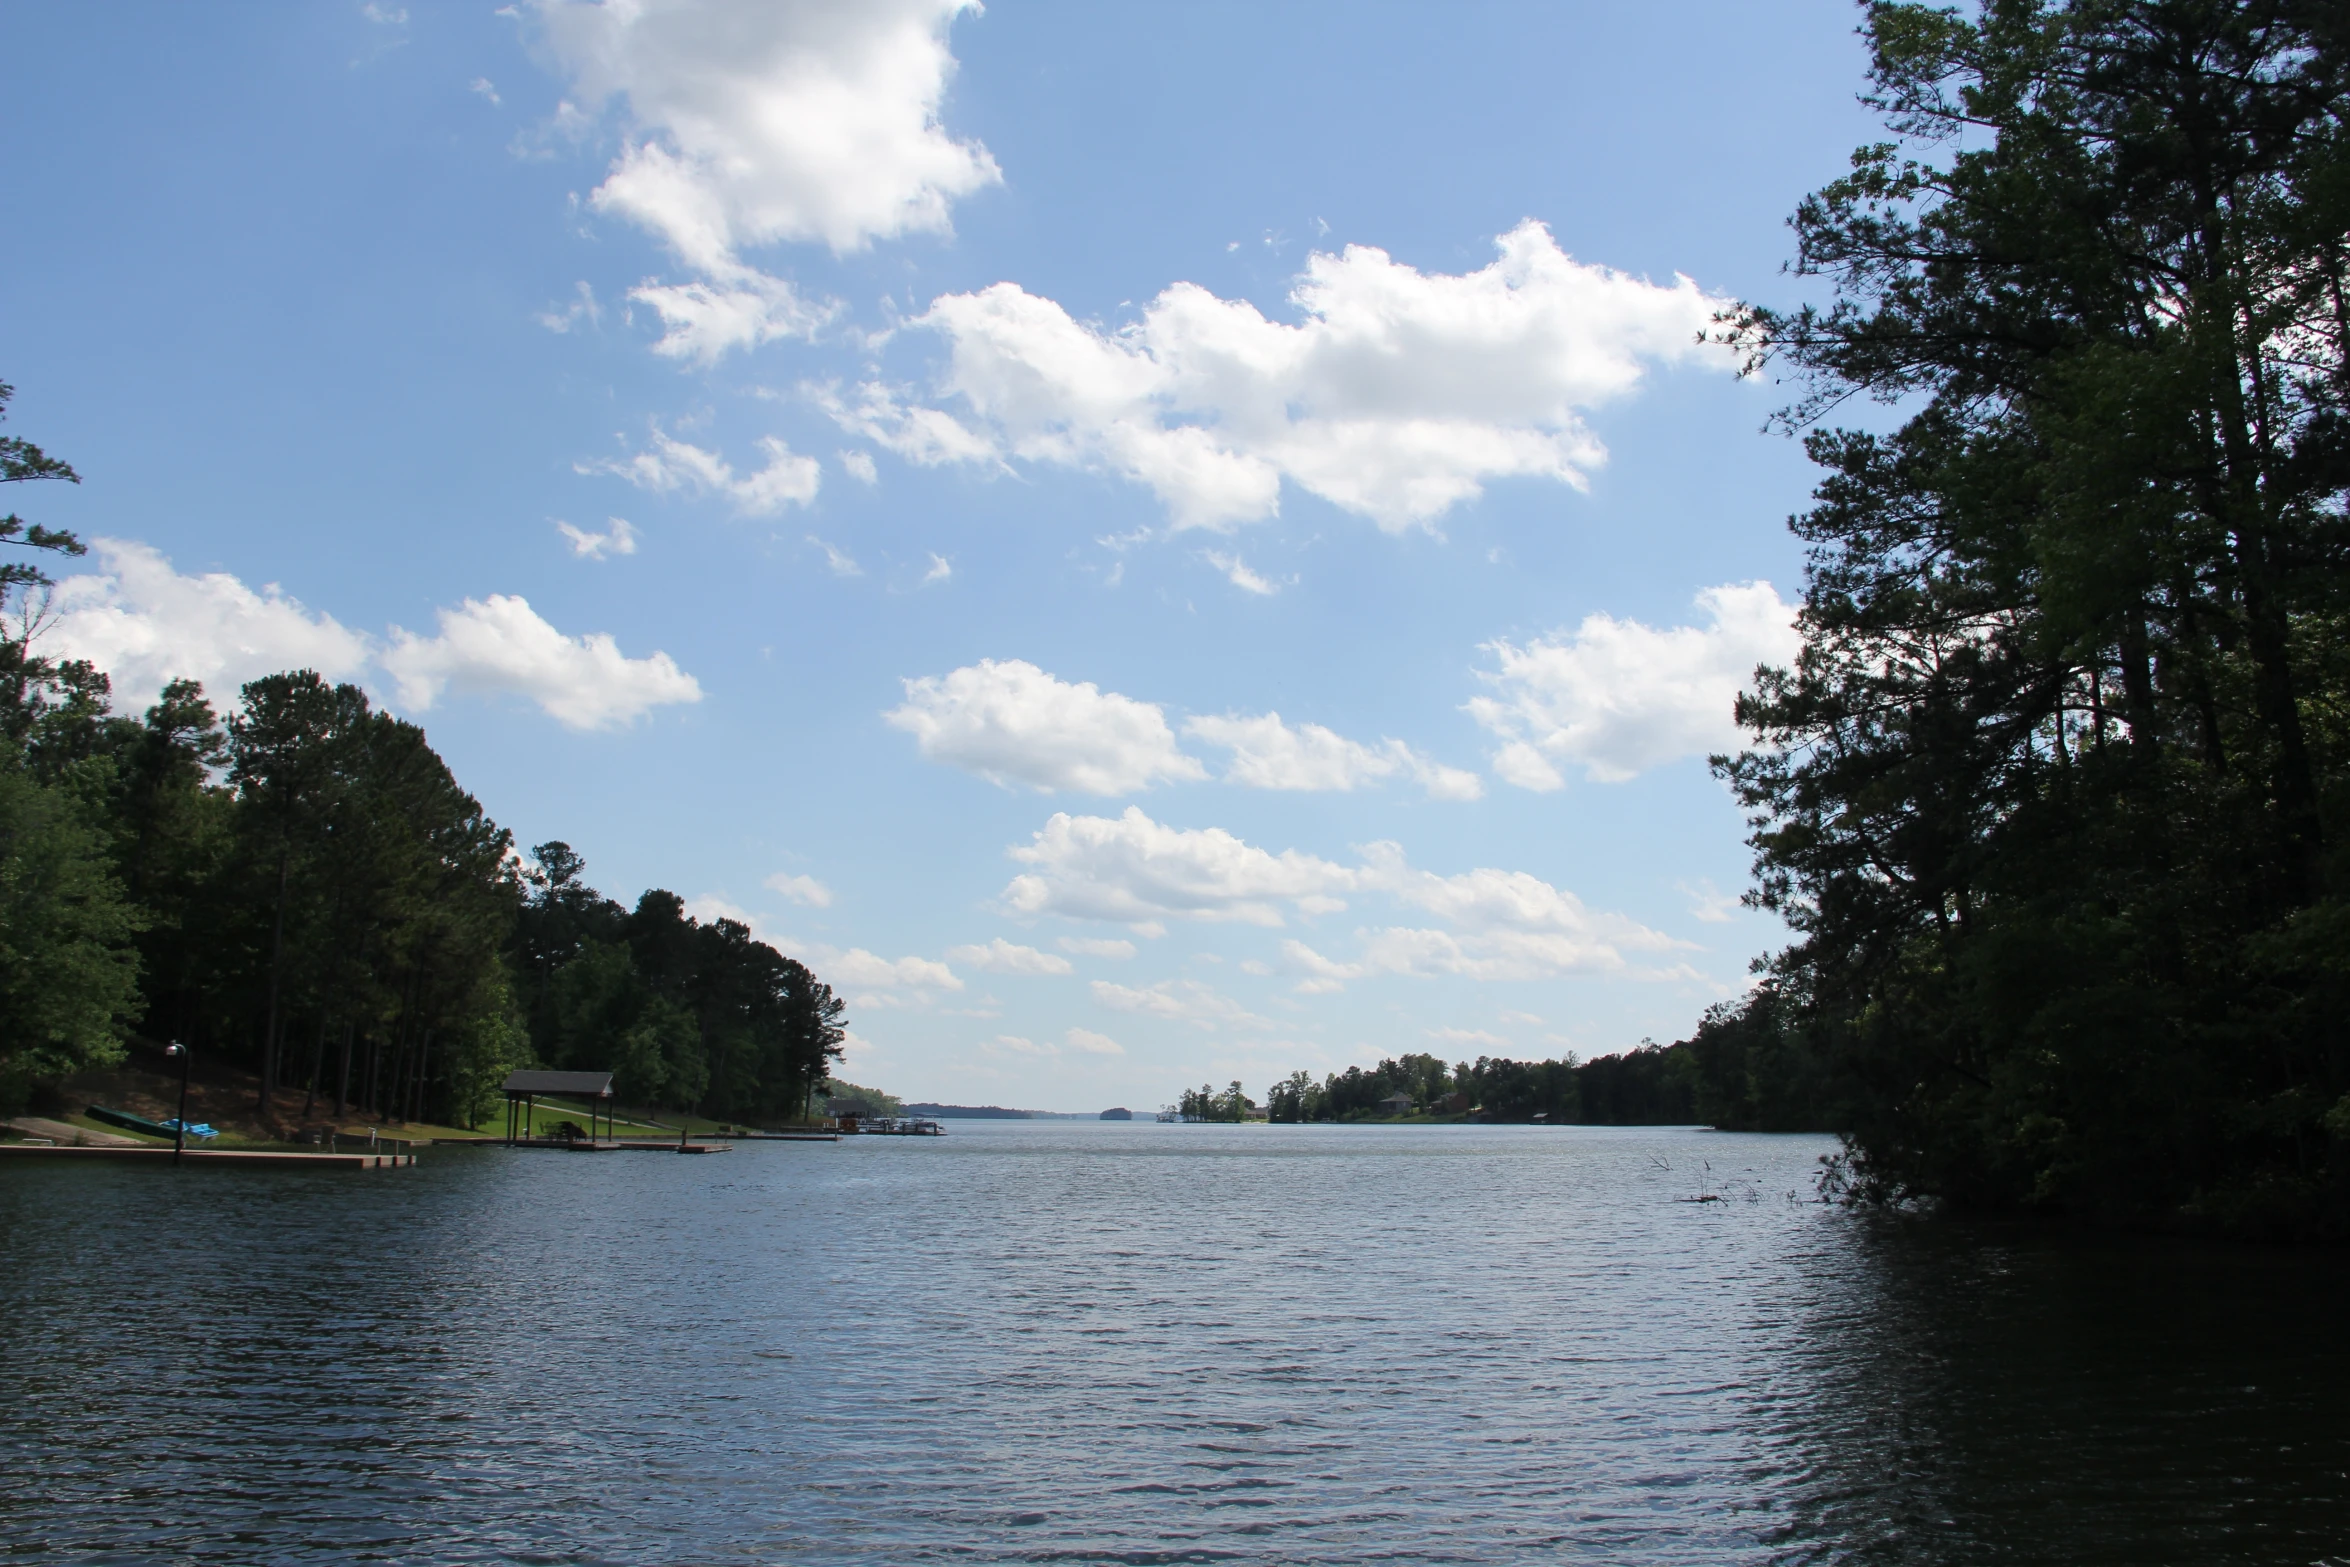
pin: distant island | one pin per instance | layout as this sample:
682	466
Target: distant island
993	1113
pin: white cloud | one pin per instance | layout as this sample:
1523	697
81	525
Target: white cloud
1012	723
1132	870
1014	1045
939	570
1616	697
146	624
928	436
1268	754
1397	396
703	321
583	309
1179	1000
1498	955
1084	1041
854	966
1098	946
500	644
806	891
1469	1036
1501	925
758	122
1709	903
1237	573
671	466
1322	975
486	88
1003	957
859	466
710	908
842	563
752	123
618	538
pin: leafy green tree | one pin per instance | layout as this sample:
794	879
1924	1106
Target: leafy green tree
68	972
2050	797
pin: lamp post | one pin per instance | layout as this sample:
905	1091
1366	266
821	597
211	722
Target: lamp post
179	1134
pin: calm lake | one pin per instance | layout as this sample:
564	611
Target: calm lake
1053	1341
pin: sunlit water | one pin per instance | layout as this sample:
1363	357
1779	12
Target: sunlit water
1139	1343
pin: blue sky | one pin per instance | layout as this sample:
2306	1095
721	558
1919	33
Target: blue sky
1153	544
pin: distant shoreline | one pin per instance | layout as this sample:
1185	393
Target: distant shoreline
995	1113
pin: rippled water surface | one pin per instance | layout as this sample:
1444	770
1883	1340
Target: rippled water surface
1038	1341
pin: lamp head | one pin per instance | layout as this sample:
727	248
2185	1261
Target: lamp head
175	1049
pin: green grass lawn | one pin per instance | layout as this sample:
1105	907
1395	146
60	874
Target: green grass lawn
550	1113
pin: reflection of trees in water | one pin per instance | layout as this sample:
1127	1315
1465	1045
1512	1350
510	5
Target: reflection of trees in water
1970	1395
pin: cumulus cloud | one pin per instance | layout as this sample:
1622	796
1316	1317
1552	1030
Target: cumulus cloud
1268	754
920	434
1084	1041
756	122
500	644
670	466
1098	946
1132	870
1322	975
1004	957
145	623
1616	697
854	967
1497	924
1179	1000
1013	724
618	538
703	321
751	123
806	891
1397	396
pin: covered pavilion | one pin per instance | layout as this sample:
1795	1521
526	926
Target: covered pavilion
523	1088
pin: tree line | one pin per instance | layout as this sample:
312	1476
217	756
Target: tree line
1745	1068
2053	797
302	888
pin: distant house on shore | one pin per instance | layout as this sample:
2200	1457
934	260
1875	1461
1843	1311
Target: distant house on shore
1120	1114
1397	1104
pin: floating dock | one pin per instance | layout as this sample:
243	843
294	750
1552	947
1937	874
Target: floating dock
236	1156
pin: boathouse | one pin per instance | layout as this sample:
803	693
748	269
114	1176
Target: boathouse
523	1089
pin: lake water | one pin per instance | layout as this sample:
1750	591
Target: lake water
1061	1342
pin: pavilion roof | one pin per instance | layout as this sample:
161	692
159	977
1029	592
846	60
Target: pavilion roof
592	1085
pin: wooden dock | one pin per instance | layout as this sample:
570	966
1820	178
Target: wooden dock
229	1156
619	1145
